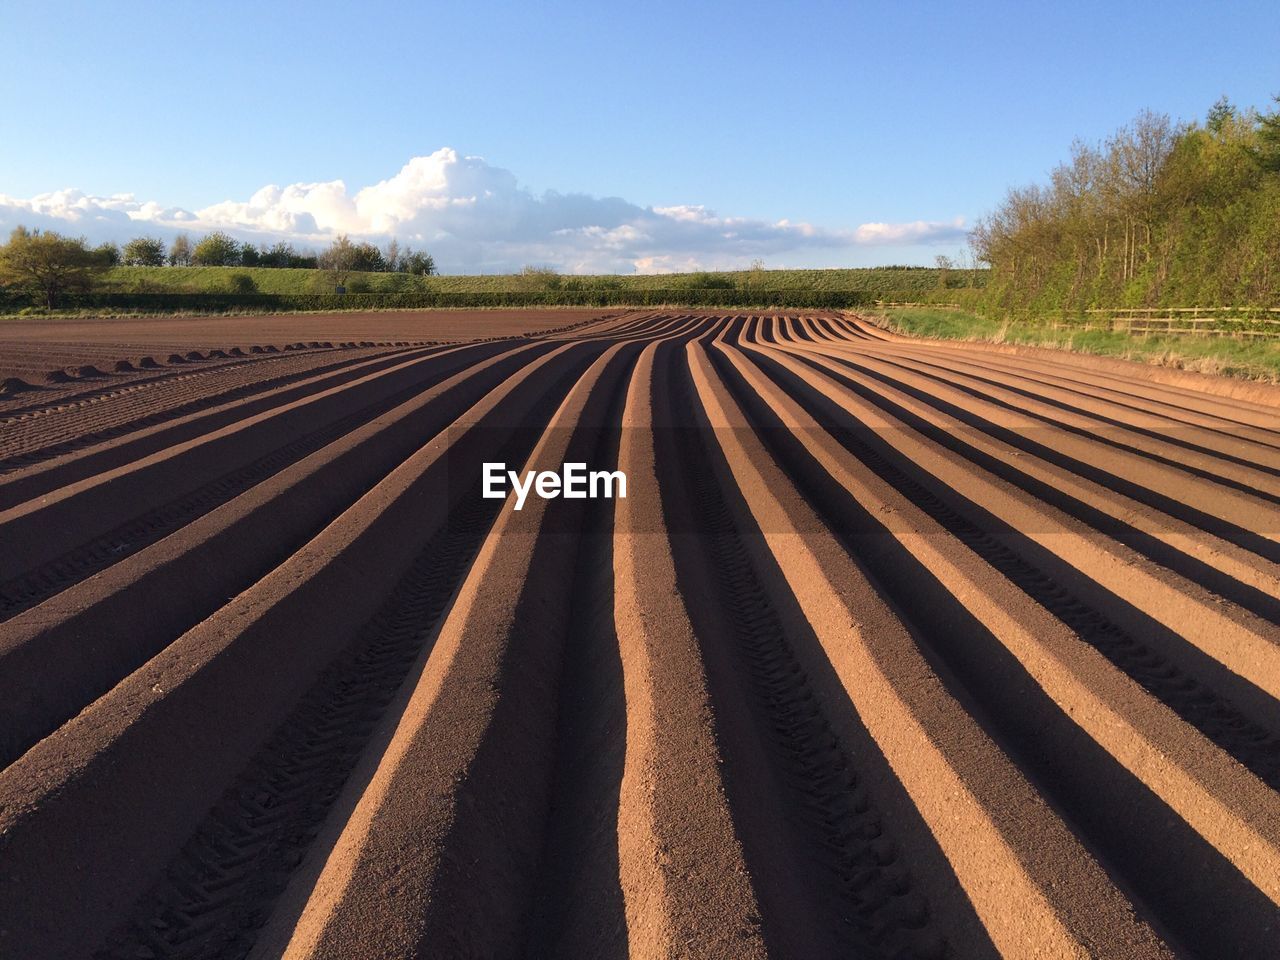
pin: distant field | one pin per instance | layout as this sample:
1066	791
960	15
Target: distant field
886	282
265	279
57	356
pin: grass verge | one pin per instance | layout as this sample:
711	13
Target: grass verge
1253	359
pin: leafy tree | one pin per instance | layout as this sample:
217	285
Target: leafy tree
249	256
538	278
144	252
1220	114
180	251
945	265
1156	215
703	281
216	249
108	253
1268	148
337	259
418	264
365	257
48	264
281	255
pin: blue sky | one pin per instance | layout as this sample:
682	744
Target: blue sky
725	118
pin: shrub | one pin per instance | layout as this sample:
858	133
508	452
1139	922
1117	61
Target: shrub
144	252
217	250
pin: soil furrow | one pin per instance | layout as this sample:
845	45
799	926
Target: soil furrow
125	417
1172	680
54	575
1231	572
134	774
893	648
852	895
1018	864
1130	829
57	657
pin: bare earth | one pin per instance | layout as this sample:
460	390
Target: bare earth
894	648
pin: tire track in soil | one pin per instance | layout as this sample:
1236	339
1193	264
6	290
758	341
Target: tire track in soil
754	709
122	419
31	588
221	888
1034	886
859	894
1256	747
1116	814
110	392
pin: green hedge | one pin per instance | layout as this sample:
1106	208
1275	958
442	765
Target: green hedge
221	302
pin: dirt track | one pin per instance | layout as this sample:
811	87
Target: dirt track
894	649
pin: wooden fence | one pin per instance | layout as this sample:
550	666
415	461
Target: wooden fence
1238	322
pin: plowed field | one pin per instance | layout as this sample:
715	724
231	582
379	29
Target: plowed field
892	649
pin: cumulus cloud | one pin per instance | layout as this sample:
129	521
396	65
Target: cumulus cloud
918	231
474	216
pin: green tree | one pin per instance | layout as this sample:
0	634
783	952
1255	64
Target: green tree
47	264
180	251
1220	114
280	255
1157	215
418	264
539	278
367	258
216	249
108	253
337	260
1268	148
144	252
945	265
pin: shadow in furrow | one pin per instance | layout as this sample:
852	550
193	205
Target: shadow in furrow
221	887
578	908
1248	539
504	840
175	411
1078	602
1189	892
1245	595
36	585
831	878
1169	436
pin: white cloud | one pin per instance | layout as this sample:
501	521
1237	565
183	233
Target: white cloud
918	231
476	217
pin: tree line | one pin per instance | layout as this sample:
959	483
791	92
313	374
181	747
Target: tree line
49	265
1157	215
218	249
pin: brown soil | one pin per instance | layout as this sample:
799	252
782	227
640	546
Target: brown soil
894	648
